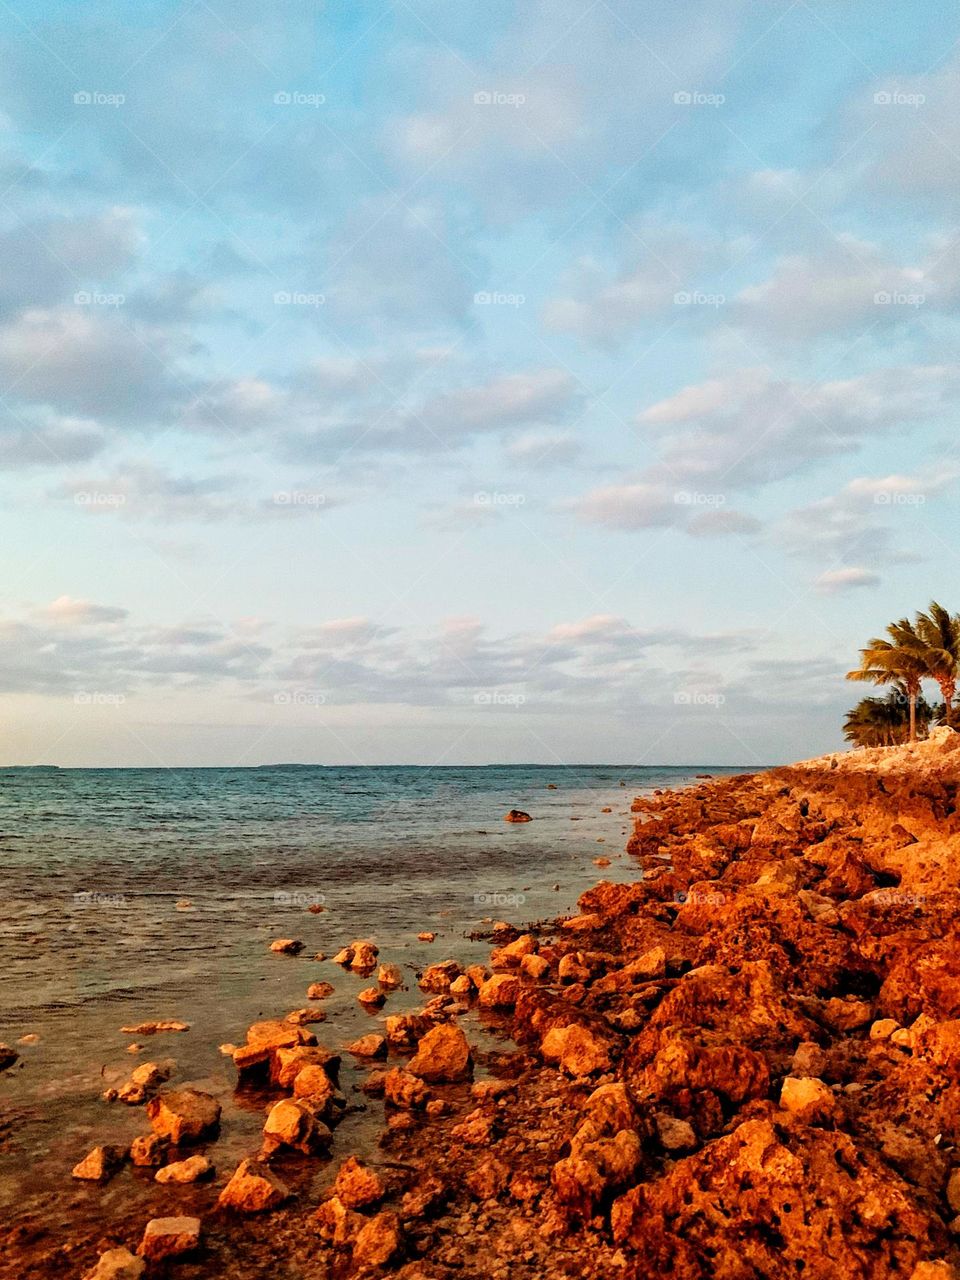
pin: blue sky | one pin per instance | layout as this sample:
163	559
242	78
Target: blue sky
463	383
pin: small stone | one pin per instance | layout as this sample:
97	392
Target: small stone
343	957
319	990
184	1115
377	1241
807	1097
30	1038
100	1163
403	1089
426	936
883	1029
145	1080
675	1134
8	1056
534	967
390	976
372	1046
286	946
500	992
337	1224
364	956
517	815
190	1170
578	1051
169	1237
148	1150
155	1028
117	1264
356	1186
253	1188
902	1038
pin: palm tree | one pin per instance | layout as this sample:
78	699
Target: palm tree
902	660
939	634
884	722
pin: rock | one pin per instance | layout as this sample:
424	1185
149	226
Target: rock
288	1063
426	1196
377	1242
254	1188
287	946
371	997
169	1238
184	1115
363	956
939	1269
301	1017
319	990
405	1029
462	987
190	1170
488	1178
847	1015
337	1224
296	1123
476	1130
145	1080
8	1056
596	1167
356	1186
371	1046
259	1055
517	815
312	1081
438	977
426	936
808	1098
578	1051
953	1190
404	1090
443	1055
148	1150
534	967
155	1028
100	1163
343	957
390	976
601	862
500	992
572	969
674	1134
514	952
883	1029
117	1264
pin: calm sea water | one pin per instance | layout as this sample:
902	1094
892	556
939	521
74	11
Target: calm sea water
143	893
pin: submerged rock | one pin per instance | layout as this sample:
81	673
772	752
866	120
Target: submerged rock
287	946
145	1080
517	815
184	1115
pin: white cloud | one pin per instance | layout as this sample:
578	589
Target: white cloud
835	581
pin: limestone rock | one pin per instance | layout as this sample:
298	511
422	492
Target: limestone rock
190	1170
287	946
500	992
145	1080
390	976
100	1164
356	1186
577	1049
404	1090
169	1238
319	990
337	1224
184	1115
517	815
117	1264
148	1150
808	1098
254	1188
443	1055
370	1046
296	1123
377	1242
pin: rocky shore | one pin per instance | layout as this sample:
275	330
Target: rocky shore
746	1063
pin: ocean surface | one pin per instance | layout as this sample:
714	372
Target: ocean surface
133	894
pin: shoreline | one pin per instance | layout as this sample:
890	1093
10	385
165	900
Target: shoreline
742	1064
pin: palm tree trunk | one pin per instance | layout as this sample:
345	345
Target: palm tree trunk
913	716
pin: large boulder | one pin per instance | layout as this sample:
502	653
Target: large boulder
443	1055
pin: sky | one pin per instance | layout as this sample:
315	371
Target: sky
406	381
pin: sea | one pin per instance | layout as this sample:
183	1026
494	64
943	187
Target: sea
139	894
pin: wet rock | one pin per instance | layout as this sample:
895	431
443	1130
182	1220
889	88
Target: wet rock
8	1056
343	957
577	1050
426	936
184	1115
476	1130
371	1046
438	977
301	1017
535	967
443	1055
155	1028
100	1164
149	1150
371	997
287	946
404	1030
517	815
287	1064
356	1186
572	968
145	1080
513	953
117	1264
169	1238
313	1082
499	992
296	1123
319	990
190	1170
390	976
254	1188
258	1056
462	987
402	1089
337	1224
377	1242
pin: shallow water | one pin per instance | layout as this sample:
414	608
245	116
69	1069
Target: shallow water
146	893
